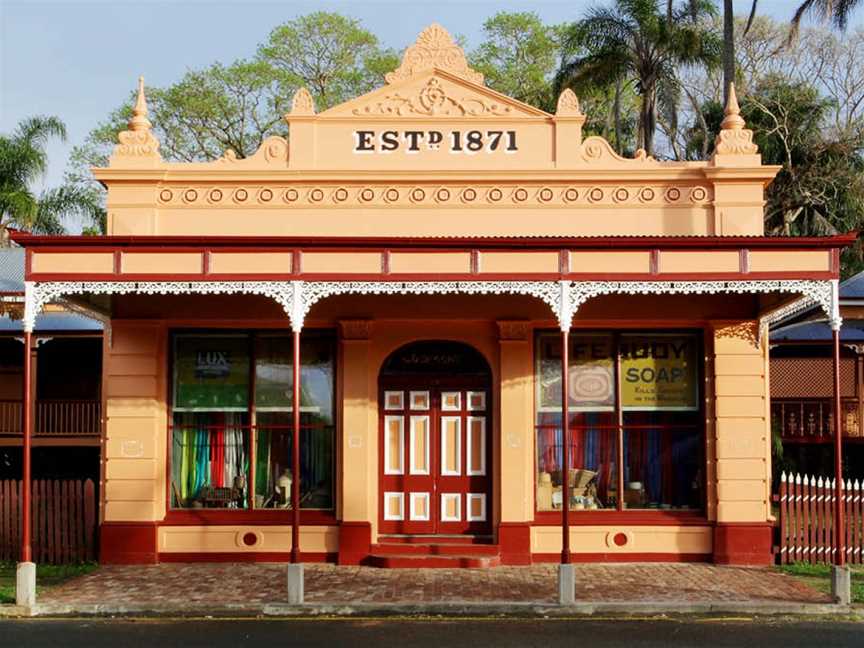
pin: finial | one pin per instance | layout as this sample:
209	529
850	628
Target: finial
434	48
303	103
568	104
139	121
733	138
137	146
732	119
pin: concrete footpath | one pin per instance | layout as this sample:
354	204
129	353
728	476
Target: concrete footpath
251	590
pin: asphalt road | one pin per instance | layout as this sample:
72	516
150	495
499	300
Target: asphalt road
596	633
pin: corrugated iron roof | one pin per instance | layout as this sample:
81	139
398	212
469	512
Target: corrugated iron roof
853	287
65	321
12	270
851	331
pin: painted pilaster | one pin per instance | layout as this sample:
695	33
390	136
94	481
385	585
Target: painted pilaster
357	474
742	444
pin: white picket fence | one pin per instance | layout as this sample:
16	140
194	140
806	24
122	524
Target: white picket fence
807	519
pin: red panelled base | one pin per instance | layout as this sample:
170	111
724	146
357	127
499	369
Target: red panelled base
246	557
355	541
136	543
128	543
514	540
623	557
743	543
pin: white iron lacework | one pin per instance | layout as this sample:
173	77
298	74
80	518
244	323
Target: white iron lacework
37	295
313	292
297	297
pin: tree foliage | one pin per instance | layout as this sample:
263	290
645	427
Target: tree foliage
640	43
519	56
23	161
236	106
332	55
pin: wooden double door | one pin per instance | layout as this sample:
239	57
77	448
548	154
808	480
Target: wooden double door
435	459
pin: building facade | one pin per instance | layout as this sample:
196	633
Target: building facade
421	268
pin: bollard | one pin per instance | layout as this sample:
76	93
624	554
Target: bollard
295	584
566	584
25	584
841	585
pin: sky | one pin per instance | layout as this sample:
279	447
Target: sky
79	60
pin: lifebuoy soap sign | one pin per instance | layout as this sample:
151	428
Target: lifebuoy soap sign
658	372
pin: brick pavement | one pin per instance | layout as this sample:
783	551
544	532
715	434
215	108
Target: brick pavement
220	584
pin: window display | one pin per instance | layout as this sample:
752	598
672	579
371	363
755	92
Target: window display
215	424
637	391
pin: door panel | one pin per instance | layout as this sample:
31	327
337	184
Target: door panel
419	461
451	445
435	458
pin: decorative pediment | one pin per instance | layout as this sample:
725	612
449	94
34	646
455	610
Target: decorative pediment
434	48
434	95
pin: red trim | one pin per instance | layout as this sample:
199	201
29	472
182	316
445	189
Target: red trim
622	557
514	540
128	543
245	557
743	543
341	242
490	276
355	542
626	517
262	517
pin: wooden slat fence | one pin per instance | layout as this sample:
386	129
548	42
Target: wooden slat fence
64	521
807	519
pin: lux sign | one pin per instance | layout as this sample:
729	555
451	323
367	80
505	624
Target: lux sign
415	141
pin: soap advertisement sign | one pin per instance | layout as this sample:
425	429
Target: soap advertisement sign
659	372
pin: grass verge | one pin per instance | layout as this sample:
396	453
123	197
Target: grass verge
819	577
46	576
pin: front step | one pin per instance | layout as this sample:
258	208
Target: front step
434	549
427	539
413	552
410	561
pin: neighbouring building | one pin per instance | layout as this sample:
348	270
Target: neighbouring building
802	411
428	249
66	382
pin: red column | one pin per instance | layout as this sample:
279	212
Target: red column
839	521
295	455
565	439
27	430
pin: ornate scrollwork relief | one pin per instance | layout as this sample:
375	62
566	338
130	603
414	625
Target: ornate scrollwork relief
434	100
596	149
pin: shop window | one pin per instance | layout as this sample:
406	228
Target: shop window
231	391
653	416
274	417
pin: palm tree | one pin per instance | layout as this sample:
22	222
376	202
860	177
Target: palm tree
836	11
640	42
23	161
